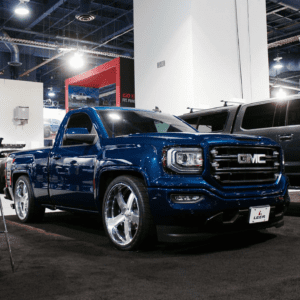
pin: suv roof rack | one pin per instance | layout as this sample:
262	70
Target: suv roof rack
228	101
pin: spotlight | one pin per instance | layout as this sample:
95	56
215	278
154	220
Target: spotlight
51	92
278	65
22	9
281	94
76	60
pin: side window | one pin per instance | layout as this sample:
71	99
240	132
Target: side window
280	113
82	121
259	116
192	121
212	122
294	112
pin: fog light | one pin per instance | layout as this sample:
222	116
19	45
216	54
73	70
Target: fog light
186	198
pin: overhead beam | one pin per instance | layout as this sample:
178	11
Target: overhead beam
67	38
92	32
42	64
115	35
292	4
46	14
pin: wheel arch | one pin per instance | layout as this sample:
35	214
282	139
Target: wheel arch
107	176
17	175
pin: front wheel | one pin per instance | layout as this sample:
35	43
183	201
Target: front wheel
26	208
126	214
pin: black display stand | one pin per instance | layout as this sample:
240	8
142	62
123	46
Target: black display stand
6	235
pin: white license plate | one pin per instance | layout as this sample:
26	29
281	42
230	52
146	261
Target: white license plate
259	214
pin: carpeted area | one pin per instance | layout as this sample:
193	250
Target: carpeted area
68	257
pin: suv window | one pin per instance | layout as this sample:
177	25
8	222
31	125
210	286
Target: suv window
193	121
280	113
294	113
259	116
79	120
212	122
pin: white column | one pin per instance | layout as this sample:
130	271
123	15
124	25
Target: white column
211	50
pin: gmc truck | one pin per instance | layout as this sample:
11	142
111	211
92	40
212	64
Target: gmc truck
151	176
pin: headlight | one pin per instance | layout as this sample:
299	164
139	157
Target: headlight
183	160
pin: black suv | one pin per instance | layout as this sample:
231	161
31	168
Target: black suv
278	119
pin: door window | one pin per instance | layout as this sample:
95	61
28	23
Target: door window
259	116
82	121
294	112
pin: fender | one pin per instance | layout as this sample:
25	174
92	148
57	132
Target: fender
101	172
20	172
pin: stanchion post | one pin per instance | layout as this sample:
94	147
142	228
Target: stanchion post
7	239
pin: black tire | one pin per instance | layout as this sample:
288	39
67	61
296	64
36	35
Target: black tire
133	227
26	208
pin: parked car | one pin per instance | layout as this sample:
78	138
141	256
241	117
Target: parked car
151	176
82	98
278	119
5	150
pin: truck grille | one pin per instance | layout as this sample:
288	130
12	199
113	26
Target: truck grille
244	165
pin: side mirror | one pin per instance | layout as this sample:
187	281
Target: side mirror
80	135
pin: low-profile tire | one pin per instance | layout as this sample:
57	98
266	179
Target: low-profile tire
26	208
126	214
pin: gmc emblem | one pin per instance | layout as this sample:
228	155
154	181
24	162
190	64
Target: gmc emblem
248	159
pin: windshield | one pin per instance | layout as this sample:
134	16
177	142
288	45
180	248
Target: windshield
122	122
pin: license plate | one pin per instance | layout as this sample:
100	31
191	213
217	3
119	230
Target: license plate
259	214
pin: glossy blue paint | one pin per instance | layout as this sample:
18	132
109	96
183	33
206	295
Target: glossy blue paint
71	175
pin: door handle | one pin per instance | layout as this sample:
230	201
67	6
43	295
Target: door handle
286	137
73	163
56	156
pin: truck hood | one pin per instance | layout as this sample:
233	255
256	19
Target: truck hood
190	139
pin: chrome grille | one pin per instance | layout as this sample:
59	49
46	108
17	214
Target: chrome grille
244	165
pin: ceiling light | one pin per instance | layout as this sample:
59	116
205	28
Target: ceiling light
76	60
51	92
278	65
22	9
281	94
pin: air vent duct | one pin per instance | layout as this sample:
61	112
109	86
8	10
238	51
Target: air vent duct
85	8
14	50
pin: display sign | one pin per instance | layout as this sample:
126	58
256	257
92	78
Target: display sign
118	72
83	96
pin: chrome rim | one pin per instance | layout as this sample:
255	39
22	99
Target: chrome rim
121	214
22	200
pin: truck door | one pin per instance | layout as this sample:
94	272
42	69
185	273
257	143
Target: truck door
289	138
72	167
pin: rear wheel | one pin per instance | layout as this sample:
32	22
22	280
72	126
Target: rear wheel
26	208
126	214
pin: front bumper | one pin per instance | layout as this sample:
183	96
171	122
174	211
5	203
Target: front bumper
213	215
219	224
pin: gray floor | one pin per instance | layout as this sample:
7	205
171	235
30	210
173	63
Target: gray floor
68	257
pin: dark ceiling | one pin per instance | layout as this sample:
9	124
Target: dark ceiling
52	25
283	27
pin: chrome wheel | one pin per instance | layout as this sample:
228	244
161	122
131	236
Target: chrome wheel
22	200
122	214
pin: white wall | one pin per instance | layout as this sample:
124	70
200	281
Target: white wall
15	93
163	31
213	50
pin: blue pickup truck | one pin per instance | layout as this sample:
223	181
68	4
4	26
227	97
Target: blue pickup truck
151	176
